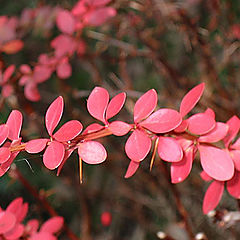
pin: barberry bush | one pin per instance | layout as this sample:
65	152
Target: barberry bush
119	120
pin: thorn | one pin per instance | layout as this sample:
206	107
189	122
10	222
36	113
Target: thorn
154	153
80	170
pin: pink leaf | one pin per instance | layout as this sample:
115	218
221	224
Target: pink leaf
14	124
94	127
92	152
4	154
119	128
53	225
36	145
190	99
15	233
15	205
235	155
8	73
65	22
210	112
169	150
162	121
64	70
3	133
205	176
68	131
138	145
99	16
7	90
115	105
54	114
97	3
132	168
234	125
31	92
201	123
42	236
53	155
7	222
182	127
41	73
32	226
216	162
145	105
236	145
66	156
216	134
22	213
180	170
233	185
97	103
212	196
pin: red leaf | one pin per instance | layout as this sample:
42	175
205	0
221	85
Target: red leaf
182	127
68	131
41	73
115	105
53	225
3	133
162	121
180	170
210	112
92	152
54	114
7	222
53	155
201	123
212	196
97	103
42	236
215	135
12	47
14	124
15	205
169	150
233	185
145	105
94	127
8	73
65	22
36	145
235	155
138	145
190	99
4	154
31	92
234	125
216	162
132	168
32	226
119	128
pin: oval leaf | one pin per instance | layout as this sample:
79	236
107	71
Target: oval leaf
212	196
7	222
115	105
53	155
92	152
4	154
180	170
65	22
3	133
201	123
53	225
36	145
54	114
119	128
145	105
162	121
233	185
15	233
216	162
215	135
169	150
97	103
190	99
14	124
132	168
138	145
68	131
235	155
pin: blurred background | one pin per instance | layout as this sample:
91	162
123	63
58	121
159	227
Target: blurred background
167	45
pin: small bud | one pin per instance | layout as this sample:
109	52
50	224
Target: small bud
106	219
